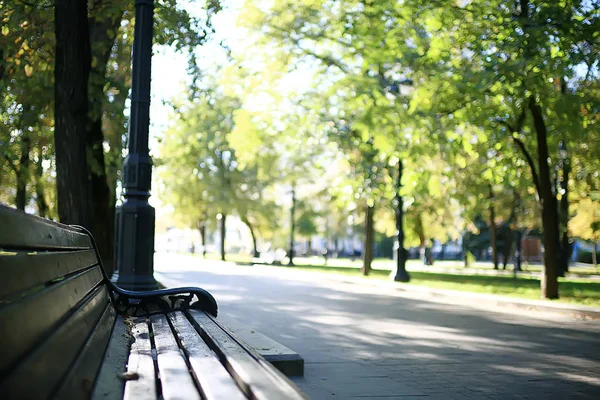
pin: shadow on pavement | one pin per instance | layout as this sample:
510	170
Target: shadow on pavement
360	343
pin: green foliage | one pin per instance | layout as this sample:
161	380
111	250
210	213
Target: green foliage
199	171
26	81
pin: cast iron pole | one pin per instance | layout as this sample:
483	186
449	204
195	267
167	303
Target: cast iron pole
292	226
135	218
401	274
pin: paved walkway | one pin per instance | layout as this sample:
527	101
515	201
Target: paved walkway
375	343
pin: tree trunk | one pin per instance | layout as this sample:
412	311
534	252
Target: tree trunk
23	171
401	274
40	198
255	253
103	32
550	221
326	244
493	228
103	216
71	74
202	229
223	218
508	247
292	227
518	250
466	249
512	233
368	243
336	246
595	255
565	246
420	232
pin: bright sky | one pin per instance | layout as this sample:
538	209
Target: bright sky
169	76
170	79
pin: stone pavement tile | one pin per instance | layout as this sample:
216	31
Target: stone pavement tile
402	348
367	389
351	379
344	370
468	396
585	396
454	396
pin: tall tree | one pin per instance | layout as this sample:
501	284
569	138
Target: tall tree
199	170
71	74
509	66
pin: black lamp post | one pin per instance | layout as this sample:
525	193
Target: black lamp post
134	252
292	226
401	275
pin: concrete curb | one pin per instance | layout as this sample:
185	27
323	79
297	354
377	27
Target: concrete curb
281	357
469	298
286	360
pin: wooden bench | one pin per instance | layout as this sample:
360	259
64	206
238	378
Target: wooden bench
67	332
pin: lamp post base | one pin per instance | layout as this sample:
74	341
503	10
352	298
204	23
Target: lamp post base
401	276
135	246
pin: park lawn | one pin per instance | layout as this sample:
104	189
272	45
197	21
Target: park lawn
387	264
233	257
580	292
576	292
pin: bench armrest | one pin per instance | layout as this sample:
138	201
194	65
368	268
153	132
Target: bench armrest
165	300
130	302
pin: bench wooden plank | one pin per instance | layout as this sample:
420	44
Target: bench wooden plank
215	382
79	382
32	232
256	377
175	377
21	271
281	357
57	320
140	366
108	384
48	362
25	322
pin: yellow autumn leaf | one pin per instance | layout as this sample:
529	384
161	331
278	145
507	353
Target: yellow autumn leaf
28	70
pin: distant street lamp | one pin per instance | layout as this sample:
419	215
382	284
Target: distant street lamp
400	88
564	246
292	226
135	218
400	274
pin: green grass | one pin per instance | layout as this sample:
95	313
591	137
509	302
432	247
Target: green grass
236	258
387	264
579	292
583	292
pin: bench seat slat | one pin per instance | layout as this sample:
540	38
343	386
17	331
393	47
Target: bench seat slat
141	363
60	336
109	384
48	362
23	271
23	231
215	382
175	377
259	379
25	322
79	383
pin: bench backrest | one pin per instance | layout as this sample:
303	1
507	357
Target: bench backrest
55	310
